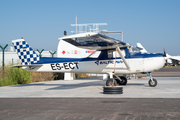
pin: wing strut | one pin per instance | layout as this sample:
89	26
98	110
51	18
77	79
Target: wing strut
122	57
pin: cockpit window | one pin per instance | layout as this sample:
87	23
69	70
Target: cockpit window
133	50
110	53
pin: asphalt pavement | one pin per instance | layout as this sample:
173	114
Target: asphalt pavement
89	109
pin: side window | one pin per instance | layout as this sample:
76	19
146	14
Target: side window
110	53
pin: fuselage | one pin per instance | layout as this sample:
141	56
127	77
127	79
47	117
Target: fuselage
138	63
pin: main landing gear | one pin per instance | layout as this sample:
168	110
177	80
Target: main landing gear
109	82
111	86
152	82
118	80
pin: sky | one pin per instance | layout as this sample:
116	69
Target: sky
153	23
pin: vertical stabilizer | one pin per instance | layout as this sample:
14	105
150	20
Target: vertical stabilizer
25	52
141	48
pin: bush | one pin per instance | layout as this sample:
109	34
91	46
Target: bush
81	75
14	76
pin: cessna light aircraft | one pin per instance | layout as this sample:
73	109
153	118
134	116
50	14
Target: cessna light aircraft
111	56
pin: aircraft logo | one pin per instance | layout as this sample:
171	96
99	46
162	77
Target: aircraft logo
97	62
107	62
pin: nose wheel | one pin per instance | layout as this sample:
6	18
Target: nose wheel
152	82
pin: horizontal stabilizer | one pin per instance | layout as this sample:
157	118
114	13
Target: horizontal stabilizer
26	66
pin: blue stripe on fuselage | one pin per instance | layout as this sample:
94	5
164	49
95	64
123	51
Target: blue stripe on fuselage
145	55
49	60
46	60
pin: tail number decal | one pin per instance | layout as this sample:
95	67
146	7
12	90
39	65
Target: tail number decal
66	66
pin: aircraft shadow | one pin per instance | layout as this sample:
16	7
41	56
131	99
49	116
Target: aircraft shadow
134	84
64	86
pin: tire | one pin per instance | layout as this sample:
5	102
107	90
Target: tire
123	80
152	84
110	82
112	90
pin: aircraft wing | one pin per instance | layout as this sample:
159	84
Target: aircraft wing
174	60
103	47
94	41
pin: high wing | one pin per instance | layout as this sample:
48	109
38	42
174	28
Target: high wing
96	41
175	59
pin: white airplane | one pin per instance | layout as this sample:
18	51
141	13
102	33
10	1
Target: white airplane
172	60
114	58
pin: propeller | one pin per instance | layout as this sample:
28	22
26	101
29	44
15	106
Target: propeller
165	56
164	53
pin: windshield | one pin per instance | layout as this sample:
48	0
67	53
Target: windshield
95	54
133	50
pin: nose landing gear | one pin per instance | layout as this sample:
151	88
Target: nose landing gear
152	82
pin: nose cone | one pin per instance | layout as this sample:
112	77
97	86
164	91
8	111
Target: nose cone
154	62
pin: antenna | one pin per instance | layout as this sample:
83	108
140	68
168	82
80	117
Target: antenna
93	27
106	32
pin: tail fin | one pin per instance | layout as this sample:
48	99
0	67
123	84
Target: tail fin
141	48
25	52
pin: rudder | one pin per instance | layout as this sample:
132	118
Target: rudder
25	53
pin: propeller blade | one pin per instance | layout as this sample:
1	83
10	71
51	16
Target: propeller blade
164	53
166	63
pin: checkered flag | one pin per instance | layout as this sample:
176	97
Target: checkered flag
25	52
